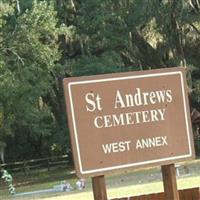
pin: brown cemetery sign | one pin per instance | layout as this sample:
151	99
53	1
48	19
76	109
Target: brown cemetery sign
125	120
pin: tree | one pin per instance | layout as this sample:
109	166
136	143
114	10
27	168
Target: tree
29	52
41	42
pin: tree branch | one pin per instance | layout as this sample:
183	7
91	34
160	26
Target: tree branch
149	55
195	28
14	53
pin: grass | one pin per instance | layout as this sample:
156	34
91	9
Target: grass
130	190
128	183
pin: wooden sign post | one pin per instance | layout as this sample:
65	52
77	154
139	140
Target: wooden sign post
169	182
128	120
99	188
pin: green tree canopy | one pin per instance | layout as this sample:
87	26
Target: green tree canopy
43	41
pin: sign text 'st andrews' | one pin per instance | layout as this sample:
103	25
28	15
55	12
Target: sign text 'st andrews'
126	101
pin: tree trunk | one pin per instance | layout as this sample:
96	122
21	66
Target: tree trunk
176	34
2	154
149	56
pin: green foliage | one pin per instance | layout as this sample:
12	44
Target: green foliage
90	65
29	53
5	10
43	41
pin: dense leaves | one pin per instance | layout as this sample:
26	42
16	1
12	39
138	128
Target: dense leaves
29	56
41	42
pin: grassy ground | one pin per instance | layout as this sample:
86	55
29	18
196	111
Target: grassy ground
124	184
130	190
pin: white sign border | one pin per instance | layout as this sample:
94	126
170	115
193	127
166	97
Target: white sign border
137	163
